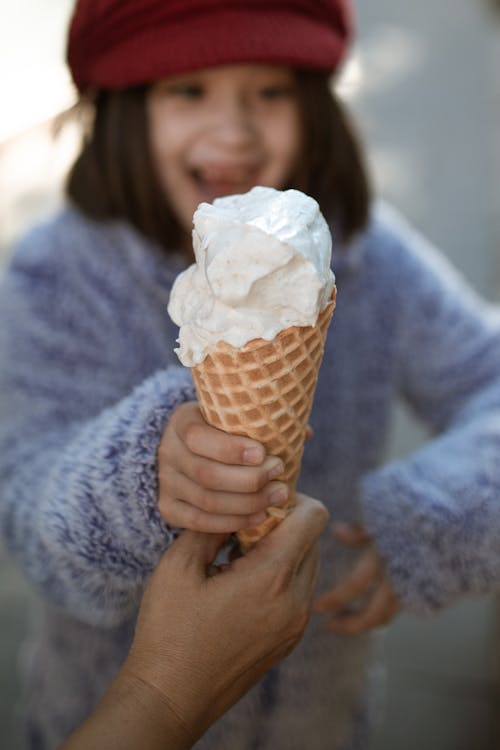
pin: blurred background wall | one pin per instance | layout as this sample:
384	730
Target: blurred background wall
428	102
424	84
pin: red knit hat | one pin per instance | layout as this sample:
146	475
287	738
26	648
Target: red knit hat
120	43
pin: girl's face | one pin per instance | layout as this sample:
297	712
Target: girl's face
223	130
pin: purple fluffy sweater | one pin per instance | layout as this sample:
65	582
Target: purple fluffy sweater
88	379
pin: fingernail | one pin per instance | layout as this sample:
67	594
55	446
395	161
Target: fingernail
279	496
252	455
259	518
276	470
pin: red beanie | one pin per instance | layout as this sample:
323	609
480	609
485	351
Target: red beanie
120	43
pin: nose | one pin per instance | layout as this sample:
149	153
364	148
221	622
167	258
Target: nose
234	124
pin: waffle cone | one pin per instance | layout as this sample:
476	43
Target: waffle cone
265	390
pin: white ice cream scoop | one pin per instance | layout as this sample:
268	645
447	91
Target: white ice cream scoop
262	265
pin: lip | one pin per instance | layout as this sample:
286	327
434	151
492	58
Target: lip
214	181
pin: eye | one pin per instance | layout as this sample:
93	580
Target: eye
181	89
188	90
271	92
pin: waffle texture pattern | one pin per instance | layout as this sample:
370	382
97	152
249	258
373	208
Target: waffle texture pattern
88	380
265	390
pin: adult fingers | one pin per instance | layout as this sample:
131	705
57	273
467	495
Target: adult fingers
367	571
292	539
191	551
196	547
307	574
299	591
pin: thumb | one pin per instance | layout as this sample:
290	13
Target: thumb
194	550
291	541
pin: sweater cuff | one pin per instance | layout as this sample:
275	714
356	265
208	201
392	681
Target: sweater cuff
436	528
155	401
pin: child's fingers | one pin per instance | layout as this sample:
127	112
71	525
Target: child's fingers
380	609
350	533
186	516
174	457
177	486
365	573
188	425
214	475
212	443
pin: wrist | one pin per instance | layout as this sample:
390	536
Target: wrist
155	708
132	714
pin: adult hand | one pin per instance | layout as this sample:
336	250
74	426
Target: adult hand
202	641
369	580
212	481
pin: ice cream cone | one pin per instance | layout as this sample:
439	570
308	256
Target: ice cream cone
265	390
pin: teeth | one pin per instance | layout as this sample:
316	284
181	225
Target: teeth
228	176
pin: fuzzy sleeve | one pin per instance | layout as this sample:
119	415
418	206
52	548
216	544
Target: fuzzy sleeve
78	444
435	516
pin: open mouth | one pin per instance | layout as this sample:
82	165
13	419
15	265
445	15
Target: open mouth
217	182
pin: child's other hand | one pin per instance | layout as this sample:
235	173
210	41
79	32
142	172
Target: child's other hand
369	580
211	481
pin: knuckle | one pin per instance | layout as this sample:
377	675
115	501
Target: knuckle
164	501
186	409
166	509
197	524
251	505
206	474
246	521
285	573
177	417
192	435
164	446
205	500
321	514
252	502
256	479
166	482
163	510
165	449
191	519
251	482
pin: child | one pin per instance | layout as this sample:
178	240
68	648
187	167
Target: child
103	455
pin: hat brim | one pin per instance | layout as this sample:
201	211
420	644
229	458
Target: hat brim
242	36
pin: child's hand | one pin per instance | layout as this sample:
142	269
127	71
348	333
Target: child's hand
369	580
212	481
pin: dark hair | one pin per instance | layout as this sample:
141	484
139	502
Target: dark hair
333	168
114	175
